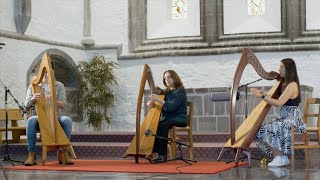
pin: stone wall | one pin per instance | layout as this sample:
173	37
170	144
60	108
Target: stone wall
211	116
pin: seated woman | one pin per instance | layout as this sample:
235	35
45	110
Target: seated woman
174	111
274	138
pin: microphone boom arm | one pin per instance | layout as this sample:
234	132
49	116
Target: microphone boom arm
148	132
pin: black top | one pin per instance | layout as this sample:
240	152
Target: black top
292	102
175	106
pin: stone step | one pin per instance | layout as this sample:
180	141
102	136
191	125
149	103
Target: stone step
128	136
105	145
105	150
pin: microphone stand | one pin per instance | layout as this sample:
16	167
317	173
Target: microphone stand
4	172
6	154
245	86
179	145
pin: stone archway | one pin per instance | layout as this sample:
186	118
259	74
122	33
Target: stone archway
65	72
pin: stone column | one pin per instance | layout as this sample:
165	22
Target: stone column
293	19
22	15
137	23
87	40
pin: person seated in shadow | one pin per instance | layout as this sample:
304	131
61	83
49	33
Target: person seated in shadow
33	124
173	113
274	138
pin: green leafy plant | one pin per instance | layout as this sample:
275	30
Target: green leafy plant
96	81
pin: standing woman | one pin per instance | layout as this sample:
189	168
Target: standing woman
274	138
173	113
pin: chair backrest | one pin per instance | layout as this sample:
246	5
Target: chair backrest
190	113
315	111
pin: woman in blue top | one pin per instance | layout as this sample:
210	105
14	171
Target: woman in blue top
174	111
274	138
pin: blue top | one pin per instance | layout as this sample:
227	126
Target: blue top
175	106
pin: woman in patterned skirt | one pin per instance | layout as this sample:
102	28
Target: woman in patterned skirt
274	138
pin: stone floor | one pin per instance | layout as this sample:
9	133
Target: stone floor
299	170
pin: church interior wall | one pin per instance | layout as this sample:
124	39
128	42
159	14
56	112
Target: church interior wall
7	16
56	20
110	22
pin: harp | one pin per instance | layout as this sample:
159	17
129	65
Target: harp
52	134
142	145
242	138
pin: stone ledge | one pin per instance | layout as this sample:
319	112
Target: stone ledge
173	40
237	48
171	46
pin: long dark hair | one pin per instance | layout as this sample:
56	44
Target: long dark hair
177	81
291	74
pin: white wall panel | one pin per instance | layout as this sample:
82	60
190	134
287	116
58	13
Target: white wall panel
237	20
160	24
312	15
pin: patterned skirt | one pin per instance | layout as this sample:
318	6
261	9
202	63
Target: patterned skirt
277	133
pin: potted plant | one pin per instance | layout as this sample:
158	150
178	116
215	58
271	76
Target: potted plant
97	78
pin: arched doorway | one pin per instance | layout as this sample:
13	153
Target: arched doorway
65	72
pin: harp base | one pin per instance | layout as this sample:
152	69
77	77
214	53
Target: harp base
238	151
137	156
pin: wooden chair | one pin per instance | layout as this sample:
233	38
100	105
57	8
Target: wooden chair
14	115
310	104
176	132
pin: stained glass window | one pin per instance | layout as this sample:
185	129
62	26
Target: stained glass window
256	7
179	9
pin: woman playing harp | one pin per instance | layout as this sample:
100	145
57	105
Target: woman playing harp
32	122
274	138
174	111
142	144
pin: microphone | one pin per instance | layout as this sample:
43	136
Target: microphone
148	132
27	107
222	96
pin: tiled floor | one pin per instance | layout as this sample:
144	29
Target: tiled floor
301	170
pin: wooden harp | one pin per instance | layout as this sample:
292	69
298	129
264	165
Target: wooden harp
142	144
242	138
52	134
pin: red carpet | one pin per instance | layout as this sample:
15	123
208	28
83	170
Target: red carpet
129	166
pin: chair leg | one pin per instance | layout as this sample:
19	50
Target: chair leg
292	158
318	134
44	155
173	150
191	152
292	145
307	153
173	143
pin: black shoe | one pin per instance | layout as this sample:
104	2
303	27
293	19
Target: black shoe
161	159
157	158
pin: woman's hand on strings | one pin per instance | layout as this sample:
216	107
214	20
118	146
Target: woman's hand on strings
35	97
150	103
154	97
257	92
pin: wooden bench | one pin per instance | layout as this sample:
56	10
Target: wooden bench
14	115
